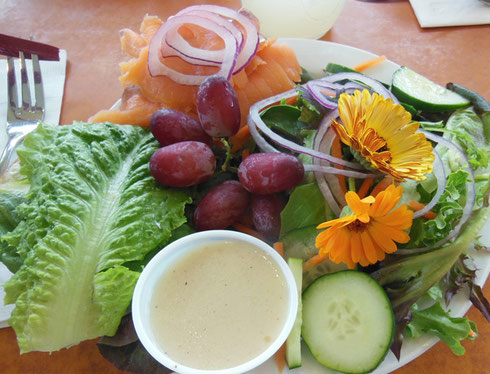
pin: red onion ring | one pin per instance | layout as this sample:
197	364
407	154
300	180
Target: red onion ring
256	121
335	171
365	80
470	196
239	33
440	175
156	67
183	49
252	38
328	184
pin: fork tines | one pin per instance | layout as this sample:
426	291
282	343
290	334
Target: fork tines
27	104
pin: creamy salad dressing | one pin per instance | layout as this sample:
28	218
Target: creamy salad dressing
220	306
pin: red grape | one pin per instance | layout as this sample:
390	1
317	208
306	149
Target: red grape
222	206
170	126
266	173
217	107
266	214
183	164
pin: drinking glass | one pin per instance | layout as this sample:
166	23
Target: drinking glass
295	18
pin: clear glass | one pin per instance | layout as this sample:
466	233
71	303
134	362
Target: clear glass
295	18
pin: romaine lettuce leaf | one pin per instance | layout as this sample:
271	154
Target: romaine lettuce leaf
93	206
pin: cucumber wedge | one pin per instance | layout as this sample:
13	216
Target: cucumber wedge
348	321
423	94
293	342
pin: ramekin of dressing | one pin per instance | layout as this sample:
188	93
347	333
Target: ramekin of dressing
215	301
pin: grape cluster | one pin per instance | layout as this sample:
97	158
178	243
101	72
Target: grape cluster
186	159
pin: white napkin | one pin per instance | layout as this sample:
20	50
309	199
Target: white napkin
53	74
441	13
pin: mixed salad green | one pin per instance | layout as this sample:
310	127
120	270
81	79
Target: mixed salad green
94	215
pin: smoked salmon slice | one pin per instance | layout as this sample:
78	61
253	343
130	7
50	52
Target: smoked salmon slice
274	69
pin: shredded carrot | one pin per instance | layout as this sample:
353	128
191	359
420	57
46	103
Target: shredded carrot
291	100
245	153
370	63
382	185
279	247
337	152
280	357
328	93
415	205
240	138
248	230
365	186
314	261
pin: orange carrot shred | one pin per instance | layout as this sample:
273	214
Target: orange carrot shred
279	247
248	230
337	152
415	205
245	153
280	358
365	186
369	63
382	185
314	261
240	138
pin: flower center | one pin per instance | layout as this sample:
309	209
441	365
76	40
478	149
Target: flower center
357	226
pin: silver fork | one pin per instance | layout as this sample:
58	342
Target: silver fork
21	119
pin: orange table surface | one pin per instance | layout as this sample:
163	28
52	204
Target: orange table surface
88	30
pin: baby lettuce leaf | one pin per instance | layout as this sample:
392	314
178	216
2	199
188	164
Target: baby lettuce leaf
93	206
435	320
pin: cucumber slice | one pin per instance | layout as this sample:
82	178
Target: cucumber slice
423	94
348	321
293	342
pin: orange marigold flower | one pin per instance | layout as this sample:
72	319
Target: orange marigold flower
383	134
365	236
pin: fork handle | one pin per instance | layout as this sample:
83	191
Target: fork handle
7	153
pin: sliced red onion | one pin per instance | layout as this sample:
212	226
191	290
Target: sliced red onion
440	175
156	67
263	145
257	121
336	171
364	79
470	185
327	194
470	196
323	141
251	33
181	47
332	180
321	93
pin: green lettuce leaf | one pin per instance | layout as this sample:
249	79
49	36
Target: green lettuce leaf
437	321
93	206
9	219
306	207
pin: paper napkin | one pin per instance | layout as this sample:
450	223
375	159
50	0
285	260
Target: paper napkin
441	13
53	74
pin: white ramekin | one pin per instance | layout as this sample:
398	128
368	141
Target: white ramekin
164	259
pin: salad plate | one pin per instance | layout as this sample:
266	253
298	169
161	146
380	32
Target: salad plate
314	55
